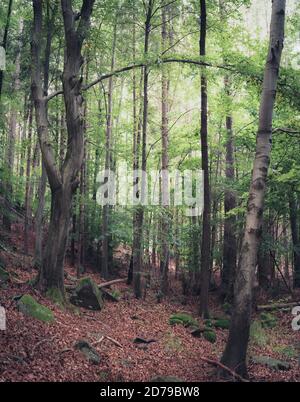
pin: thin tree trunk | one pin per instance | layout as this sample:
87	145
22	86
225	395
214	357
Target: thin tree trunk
164	162
108	164
235	352
206	228
138	229
295	239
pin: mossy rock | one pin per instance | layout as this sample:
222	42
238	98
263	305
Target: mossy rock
258	334
90	353
29	306
271	363
210	335
184	319
166	378
4	275
268	320
87	295
223	323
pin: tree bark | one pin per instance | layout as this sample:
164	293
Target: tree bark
4	41
234	355
62	184
295	239
206	224
164	268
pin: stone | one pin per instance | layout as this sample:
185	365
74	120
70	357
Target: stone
29	306
271	363
87	295
90	353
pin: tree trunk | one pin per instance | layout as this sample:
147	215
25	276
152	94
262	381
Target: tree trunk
62	184
230	244
235	352
295	239
138	228
164	162
4	41
206	228
108	164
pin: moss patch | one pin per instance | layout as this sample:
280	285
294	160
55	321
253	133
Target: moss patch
268	320
56	296
210	335
29	306
258	334
184	319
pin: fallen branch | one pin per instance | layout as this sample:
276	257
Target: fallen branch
219	364
103	285
277	306
114	341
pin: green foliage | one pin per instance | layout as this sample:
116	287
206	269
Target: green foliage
210	335
258	334
184	319
268	320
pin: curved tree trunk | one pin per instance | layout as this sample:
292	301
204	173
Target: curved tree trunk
235	352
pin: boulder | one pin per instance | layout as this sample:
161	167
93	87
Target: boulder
90	353
87	295
271	363
29	306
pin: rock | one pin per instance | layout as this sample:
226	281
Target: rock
87	295
271	363
196	332
268	320
142	340
184	319
4	275
90	353
222	323
29	306
160	378
210	335
110	296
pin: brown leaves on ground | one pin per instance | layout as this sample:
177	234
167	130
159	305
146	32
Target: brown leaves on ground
34	351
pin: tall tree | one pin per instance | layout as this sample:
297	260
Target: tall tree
62	184
4	40
206	228
235	352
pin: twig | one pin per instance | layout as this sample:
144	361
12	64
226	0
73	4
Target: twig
219	364
114	341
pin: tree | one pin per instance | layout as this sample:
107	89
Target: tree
206	226
62	184
234	355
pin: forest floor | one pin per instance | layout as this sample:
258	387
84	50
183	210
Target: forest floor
31	350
